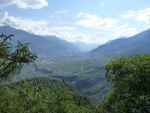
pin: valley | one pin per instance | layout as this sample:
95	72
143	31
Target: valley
83	70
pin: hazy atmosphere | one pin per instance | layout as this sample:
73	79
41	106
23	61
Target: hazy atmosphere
74	56
86	21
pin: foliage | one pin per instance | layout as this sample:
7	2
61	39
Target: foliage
130	79
13	57
41	95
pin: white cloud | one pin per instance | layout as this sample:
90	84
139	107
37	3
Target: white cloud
139	15
36	27
70	32
104	29
94	22
78	36
41	27
33	4
124	31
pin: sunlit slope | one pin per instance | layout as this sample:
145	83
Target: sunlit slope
41	95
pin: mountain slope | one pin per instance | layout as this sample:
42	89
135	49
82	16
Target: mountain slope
135	45
45	46
138	44
42	95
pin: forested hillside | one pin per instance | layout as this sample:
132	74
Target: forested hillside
129	91
130	80
74	56
36	95
42	95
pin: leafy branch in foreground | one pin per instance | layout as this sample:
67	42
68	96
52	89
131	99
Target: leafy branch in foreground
12	57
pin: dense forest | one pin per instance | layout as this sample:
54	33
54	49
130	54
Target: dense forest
129	80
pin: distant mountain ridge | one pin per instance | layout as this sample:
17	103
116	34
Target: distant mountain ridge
44	46
137	44
84	71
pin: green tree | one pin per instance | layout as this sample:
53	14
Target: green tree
130	79
41	95
13	56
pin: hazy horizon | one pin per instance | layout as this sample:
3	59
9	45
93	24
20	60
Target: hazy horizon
91	22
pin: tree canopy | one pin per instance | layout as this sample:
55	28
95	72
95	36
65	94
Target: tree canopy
130	79
38	95
42	95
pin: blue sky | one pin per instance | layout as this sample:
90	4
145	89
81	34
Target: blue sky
88	21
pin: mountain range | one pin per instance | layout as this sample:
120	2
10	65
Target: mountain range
134	45
49	46
63	60
43	46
